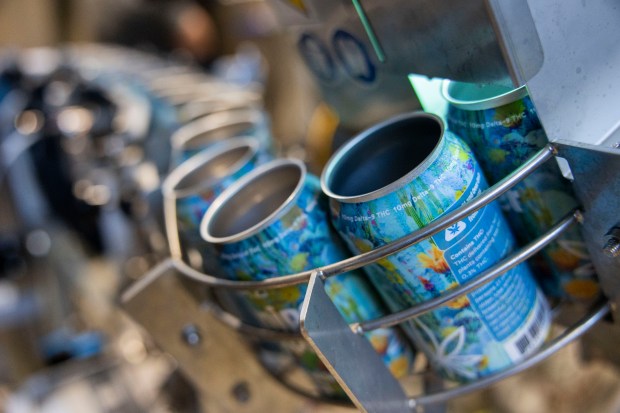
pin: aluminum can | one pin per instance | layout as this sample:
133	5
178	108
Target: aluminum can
194	185
203	132
219	102
501	126
399	176
275	221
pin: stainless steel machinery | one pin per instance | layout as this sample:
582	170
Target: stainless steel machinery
361	52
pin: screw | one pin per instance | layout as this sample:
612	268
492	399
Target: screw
241	392
612	246
191	335
357	328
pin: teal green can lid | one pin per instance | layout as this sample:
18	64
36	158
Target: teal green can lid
472	96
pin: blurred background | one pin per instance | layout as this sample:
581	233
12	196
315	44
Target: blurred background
91	92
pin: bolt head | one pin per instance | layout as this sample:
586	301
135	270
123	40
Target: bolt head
612	247
241	392
191	335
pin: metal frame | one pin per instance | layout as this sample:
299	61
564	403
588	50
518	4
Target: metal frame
596	314
392	397
346	353
360	260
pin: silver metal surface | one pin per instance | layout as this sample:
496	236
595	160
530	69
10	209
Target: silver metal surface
513	24
369	257
576	90
612	246
361	51
596	172
348	356
480	280
219	360
430	37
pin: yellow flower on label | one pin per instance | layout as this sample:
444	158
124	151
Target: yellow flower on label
458	303
399	367
434	260
497	155
362	245
299	262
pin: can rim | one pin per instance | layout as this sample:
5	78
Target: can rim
244	181
212	122
328	171
196	109
174	178
497	100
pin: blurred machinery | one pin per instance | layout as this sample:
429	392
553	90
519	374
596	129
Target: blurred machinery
85	143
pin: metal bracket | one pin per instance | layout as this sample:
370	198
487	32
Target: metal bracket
349	356
596	172
215	359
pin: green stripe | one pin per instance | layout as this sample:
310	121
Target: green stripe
369	30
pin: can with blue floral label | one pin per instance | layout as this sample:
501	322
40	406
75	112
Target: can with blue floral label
399	176
501	126
273	222
194	185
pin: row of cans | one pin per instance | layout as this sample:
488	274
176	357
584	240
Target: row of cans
271	219
243	215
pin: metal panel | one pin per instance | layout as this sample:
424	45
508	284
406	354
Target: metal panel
514	26
576	90
596	173
446	38
349	356
361	51
211	355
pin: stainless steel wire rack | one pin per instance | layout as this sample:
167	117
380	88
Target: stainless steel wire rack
342	347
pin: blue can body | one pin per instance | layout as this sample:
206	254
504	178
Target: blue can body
489	329
211	172
300	239
503	129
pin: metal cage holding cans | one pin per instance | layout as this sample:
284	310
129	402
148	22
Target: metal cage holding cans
316	276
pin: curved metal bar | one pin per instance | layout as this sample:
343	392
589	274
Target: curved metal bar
487	276
370	257
397	318
569	335
281	377
447	220
172	228
269	283
236	324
